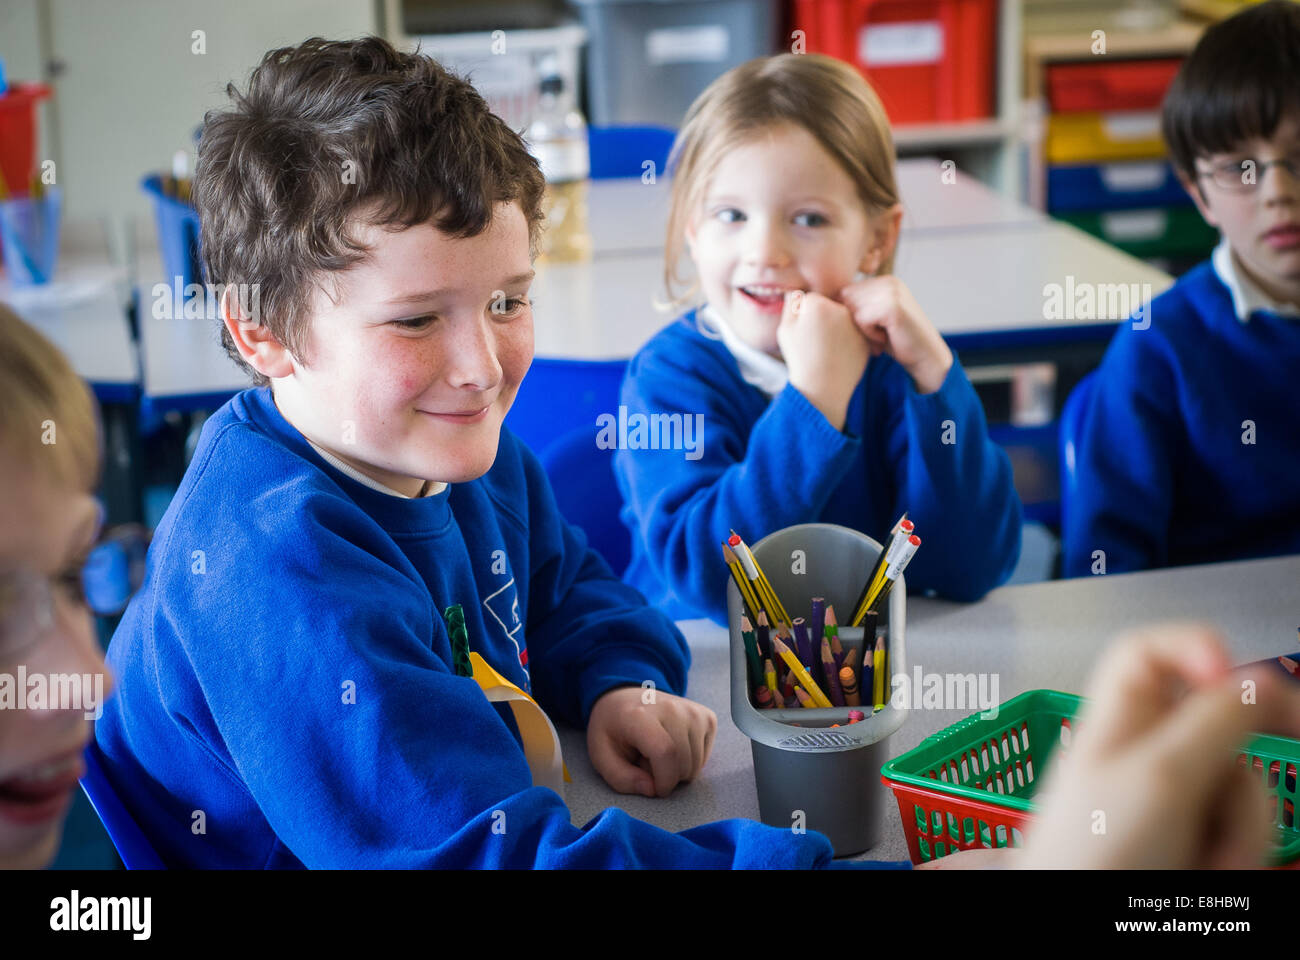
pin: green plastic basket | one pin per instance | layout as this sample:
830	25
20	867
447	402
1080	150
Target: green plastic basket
972	784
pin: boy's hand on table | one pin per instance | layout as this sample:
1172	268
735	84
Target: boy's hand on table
1155	753
823	351
894	323
649	748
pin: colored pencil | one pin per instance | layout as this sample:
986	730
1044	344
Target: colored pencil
764	640
832	675
786	654
769	675
803	646
803	698
751	651
817	622
832	628
878	681
849	685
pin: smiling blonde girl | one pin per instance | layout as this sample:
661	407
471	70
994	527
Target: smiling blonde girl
827	394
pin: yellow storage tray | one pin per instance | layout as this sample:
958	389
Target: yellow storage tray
1104	137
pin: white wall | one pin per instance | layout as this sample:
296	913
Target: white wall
131	90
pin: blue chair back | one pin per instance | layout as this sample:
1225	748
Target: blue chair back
133	847
1072	419
622	151
559	396
582	475
178	234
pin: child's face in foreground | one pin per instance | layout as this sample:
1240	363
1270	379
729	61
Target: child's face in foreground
779	214
45	532
410	373
1262	223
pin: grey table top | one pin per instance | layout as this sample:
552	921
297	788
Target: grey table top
1025	637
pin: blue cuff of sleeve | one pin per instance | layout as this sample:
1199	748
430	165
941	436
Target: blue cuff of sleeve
955	383
820	429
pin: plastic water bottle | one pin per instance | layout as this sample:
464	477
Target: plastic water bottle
557	137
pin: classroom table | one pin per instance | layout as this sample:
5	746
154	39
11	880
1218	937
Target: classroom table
83	312
183	364
1043	635
982	287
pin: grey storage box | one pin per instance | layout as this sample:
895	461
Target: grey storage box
647	60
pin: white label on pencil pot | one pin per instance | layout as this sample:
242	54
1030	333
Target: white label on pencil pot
1134	224
1131	126
895	44
706	44
1132	177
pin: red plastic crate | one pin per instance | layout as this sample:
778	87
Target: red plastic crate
1113	85
18	134
931	61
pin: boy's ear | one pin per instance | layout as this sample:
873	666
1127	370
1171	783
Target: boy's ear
1193	188
883	238
254	340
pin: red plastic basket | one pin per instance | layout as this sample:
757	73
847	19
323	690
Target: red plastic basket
931	61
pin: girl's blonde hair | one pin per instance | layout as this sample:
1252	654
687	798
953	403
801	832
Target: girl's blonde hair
824	96
47	414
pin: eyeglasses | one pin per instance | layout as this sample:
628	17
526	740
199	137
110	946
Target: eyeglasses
113	571
1243	176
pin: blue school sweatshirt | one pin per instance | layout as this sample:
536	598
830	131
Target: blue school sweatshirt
1190	446
286	695
765	463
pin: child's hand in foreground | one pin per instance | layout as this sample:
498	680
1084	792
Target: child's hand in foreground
894	323
823	351
649	748
1155	753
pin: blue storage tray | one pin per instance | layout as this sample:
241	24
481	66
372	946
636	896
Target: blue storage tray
1114	186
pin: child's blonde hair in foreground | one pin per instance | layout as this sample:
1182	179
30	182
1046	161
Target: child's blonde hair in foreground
824	96
47	414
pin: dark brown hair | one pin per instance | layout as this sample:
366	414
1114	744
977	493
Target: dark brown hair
272	185
1238	83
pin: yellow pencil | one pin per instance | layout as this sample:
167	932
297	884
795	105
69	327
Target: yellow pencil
814	691
878	675
755	573
746	591
805	701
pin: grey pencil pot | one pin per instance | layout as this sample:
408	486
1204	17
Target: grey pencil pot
809	775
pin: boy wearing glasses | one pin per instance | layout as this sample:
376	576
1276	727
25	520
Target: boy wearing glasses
1190	448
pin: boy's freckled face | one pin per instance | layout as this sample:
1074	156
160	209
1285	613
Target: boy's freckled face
412	366
779	214
1262	225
